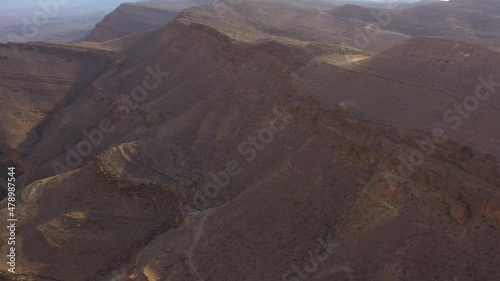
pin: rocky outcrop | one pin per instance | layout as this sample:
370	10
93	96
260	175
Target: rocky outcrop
130	18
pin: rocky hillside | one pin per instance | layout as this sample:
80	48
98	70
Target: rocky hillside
34	93
474	21
131	18
352	12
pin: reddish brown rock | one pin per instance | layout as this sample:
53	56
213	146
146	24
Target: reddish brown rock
458	210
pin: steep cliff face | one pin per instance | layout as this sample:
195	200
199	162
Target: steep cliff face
475	22
131	18
455	19
37	81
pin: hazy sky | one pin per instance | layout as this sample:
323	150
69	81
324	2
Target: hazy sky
49	21
10	8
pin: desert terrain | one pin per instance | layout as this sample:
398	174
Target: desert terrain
51	20
255	141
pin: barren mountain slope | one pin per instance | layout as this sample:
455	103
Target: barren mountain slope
449	73
474	21
386	231
275	159
51	21
255	20
34	93
191	115
131	18
453	19
352	12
